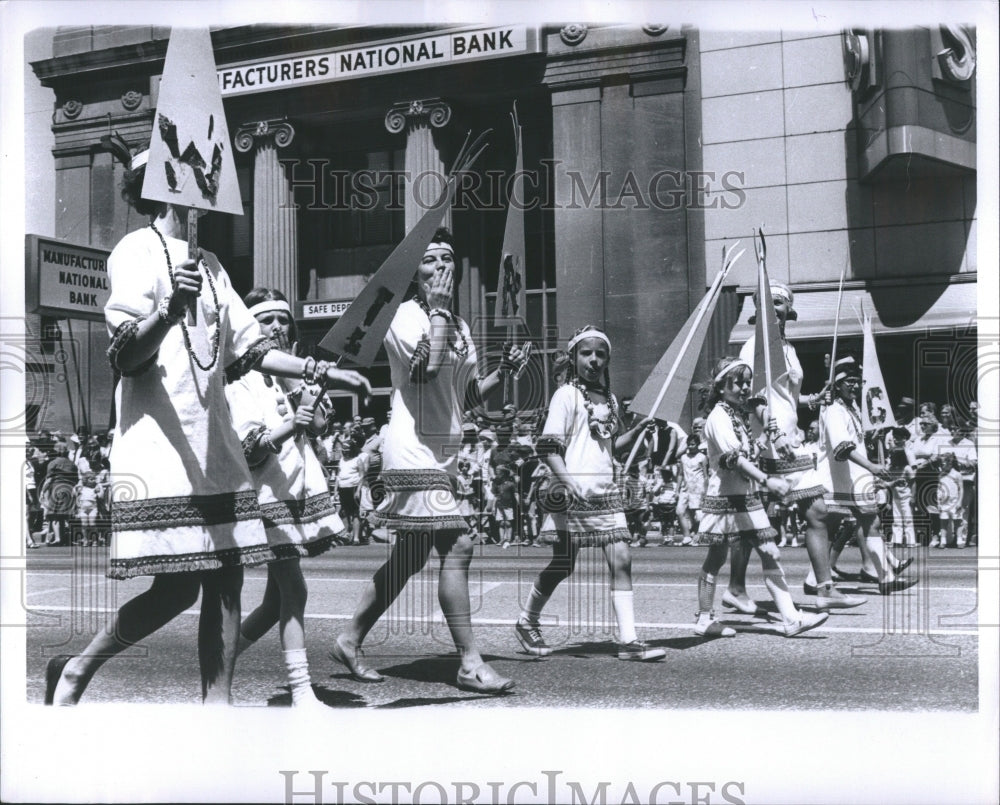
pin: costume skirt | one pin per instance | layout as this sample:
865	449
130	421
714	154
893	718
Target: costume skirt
297	528
419	500
728	518
801	472
589	523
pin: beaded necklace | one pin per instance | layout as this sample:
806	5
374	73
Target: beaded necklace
184	327
855	416
741	427
599	428
461	350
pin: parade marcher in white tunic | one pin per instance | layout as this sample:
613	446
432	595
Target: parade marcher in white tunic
852	474
274	422
183	505
733	507
584	503
799	466
434	372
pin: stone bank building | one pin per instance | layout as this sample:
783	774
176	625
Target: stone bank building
646	149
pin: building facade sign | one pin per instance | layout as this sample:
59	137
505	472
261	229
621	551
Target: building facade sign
65	280
377	58
322	310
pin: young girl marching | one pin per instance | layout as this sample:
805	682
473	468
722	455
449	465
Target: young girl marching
578	442
733	507
273	420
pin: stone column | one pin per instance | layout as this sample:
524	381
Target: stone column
424	167
275	243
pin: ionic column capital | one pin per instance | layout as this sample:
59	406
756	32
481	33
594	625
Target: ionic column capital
434	110
279	132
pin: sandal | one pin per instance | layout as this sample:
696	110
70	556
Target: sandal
484	680
360	671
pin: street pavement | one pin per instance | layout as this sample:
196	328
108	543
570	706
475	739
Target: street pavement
911	651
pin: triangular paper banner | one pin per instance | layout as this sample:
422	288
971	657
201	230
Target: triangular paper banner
767	339
677	367
509	309
190	159
358	334
876	413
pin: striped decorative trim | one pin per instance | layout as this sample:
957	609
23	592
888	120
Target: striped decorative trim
757	535
415	480
712	504
188	563
843	450
419	360
124	335
587	539
250	359
555	501
787	466
809	493
429	524
285	512
184	510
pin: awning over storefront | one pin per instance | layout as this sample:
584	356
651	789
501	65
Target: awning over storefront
895	309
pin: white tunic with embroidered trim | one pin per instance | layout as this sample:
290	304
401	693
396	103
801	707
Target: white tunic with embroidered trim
803	472
424	434
295	501
600	517
852	487
182	494
732	507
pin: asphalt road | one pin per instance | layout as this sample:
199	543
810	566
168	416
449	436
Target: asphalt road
916	650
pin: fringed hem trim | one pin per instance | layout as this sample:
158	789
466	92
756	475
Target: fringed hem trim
587	539
189	563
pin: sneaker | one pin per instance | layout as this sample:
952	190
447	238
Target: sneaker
642	652
687	541
531	640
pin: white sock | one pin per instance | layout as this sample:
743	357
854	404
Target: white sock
298	676
774	580
533	608
625	615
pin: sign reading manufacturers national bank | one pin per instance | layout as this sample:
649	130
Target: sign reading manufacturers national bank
377	58
65	280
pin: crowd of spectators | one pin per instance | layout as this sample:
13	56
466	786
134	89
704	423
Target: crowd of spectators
929	500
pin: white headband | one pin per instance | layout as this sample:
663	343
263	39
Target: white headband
576	339
734	365
139	160
270	306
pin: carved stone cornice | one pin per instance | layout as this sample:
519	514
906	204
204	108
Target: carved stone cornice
436	111
280	132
